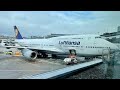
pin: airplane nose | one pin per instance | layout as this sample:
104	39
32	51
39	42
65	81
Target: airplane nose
115	47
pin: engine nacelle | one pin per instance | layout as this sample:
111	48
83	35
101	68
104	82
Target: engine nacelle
29	54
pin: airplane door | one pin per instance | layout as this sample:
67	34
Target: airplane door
99	51
62	46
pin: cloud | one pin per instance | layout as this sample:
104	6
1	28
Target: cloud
47	22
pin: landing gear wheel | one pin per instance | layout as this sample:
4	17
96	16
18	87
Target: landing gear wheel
54	56
45	55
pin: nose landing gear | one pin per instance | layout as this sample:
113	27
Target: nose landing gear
72	57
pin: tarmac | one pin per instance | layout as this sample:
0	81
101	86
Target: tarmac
12	67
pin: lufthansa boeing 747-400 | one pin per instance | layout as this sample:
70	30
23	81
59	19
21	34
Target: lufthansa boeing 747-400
83	45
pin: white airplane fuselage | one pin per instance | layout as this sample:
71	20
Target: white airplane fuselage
84	45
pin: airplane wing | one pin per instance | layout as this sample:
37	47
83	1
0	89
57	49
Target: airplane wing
18	47
48	49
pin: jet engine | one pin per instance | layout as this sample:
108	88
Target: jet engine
29	54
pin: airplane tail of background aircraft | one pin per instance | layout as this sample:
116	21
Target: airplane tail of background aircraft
17	33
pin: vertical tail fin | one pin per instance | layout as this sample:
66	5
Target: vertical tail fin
17	33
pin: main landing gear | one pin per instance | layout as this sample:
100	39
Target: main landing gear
42	55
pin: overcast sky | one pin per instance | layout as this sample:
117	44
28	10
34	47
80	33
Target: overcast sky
32	23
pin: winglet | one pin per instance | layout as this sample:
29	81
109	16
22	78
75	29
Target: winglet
17	33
